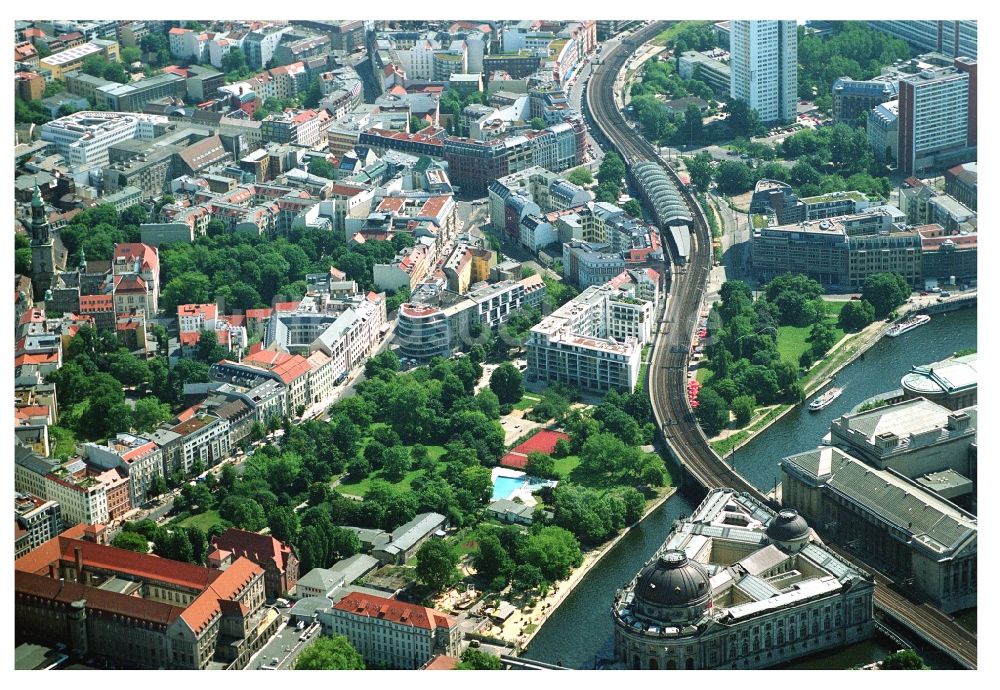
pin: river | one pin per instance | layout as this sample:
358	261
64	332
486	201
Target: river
580	631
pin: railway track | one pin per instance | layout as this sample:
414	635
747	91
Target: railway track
668	368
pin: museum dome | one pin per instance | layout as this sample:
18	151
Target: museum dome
788	526
673	581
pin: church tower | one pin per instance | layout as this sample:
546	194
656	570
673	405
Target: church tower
42	248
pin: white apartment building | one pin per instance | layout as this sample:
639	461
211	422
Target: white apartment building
139	457
84	138
80	498
203	437
196	317
391	633
593	342
763	64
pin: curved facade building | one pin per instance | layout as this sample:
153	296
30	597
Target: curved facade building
951	383
422	332
736	586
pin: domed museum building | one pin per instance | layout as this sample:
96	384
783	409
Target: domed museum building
738	586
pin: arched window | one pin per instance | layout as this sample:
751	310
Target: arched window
781	636
744	649
689	664
635	662
653	663
671	664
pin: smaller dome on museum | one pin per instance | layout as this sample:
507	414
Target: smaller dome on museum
672	580
788	526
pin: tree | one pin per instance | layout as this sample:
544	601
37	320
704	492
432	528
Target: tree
743	120
477	660
713	414
436	564
554	551
508	384
580	176
823	337
733	177
157	486
174	545
199	544
130	541
743	407
383	365
633	208
313	94
234	61
885	292
605	454
396	463
492	560
22	261
322	168
540	465
537	123
148	413
330	654
856	315
244	513
903	660
700	170
693	128
284	524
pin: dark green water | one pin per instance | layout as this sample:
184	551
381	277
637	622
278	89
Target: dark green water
580	631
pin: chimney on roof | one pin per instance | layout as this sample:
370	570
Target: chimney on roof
78	558
52	571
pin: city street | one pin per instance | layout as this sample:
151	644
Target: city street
284	646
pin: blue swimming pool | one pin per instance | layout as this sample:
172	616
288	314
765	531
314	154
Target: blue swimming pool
503	487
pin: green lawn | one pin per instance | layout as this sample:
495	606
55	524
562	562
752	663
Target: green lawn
703	375
202	520
360	488
565	466
62	441
792	339
527	402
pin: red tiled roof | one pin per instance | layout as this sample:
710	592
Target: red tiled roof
227	585
62	548
130	283
206	311
137	250
371	606
32	358
442	662
286	306
259	313
66	592
259	548
434	205
189	338
33	315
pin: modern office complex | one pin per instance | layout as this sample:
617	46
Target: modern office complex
937	125
953	38
840	252
736	586
763	64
